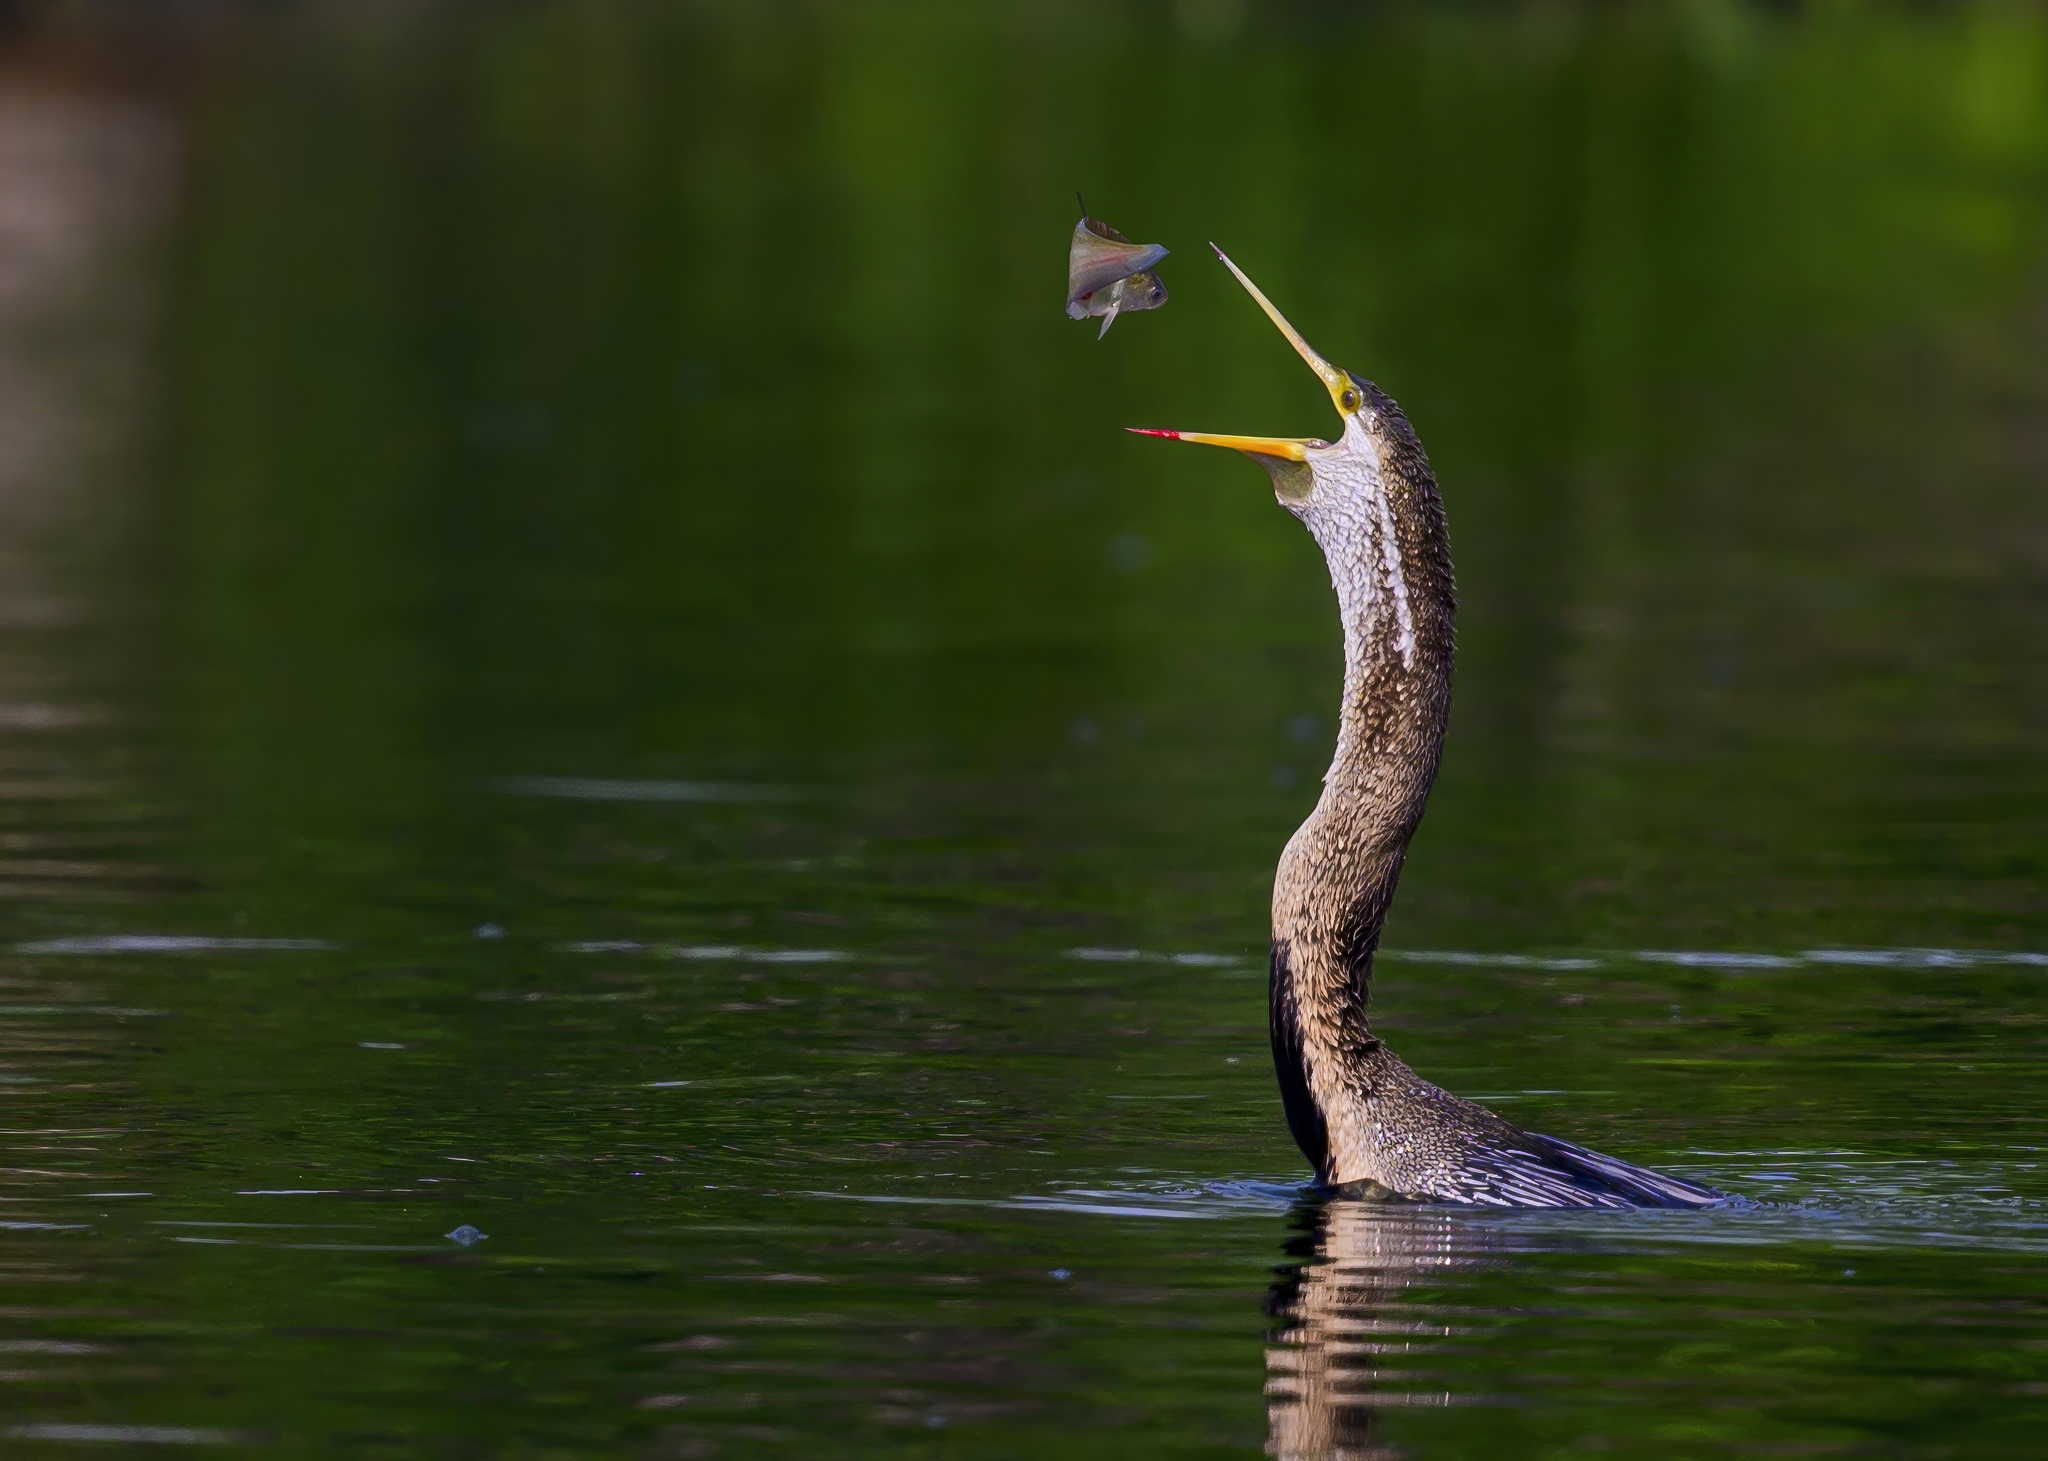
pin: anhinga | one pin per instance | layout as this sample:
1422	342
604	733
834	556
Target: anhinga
1370	1125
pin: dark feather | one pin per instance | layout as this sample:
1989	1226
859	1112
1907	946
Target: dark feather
1542	1171
1304	1118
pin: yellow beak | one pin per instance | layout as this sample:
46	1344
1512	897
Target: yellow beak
1334	378
1272	446
1294	449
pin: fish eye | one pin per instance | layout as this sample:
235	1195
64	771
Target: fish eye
1348	400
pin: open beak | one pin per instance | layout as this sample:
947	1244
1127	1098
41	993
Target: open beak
1291	448
1295	449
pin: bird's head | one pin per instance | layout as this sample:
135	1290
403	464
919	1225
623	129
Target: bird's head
1307	472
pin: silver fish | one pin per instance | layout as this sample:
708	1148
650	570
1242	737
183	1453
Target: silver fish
1108	275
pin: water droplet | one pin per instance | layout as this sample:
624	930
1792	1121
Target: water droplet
465	1235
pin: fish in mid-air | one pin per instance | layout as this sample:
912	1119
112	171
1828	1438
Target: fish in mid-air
1108	275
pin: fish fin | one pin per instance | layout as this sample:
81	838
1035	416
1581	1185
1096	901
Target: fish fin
1116	302
1096	261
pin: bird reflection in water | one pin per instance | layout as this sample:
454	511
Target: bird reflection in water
1349	1338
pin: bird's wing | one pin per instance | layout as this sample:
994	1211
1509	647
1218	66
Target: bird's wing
1542	1171
1640	1185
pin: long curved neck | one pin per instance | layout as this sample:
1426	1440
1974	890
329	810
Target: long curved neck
1388	551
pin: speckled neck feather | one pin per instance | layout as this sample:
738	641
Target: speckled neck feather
1368	1123
1379	519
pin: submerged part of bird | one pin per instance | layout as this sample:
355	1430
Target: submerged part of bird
1108	275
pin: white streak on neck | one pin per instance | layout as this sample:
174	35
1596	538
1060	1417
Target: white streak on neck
1390	559
1352	518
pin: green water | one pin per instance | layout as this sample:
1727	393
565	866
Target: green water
571	547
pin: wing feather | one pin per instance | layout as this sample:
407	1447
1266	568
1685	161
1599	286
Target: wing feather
1542	1171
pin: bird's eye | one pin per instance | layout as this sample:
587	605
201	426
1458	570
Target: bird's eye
1349	400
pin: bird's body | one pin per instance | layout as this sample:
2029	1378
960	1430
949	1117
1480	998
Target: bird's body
1367	1122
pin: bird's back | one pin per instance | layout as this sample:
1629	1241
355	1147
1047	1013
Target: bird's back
1433	1146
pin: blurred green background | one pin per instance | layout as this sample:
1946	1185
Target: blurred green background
616	386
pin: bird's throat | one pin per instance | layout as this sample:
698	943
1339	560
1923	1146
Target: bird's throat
1337	877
